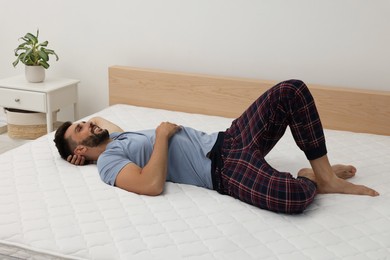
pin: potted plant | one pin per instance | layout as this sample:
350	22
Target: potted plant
35	56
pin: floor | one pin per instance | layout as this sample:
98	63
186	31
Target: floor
7	143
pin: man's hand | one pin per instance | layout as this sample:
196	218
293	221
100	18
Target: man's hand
105	124
76	159
167	129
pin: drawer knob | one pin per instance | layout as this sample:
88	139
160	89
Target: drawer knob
17	99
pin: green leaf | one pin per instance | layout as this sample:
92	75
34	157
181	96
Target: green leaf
32	38
25	56
45	43
15	62
24	39
48	51
23	45
43	55
22	58
44	64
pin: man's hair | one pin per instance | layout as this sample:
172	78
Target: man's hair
64	146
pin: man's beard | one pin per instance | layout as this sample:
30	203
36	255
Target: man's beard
96	139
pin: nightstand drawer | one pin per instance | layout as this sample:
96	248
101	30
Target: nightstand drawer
20	99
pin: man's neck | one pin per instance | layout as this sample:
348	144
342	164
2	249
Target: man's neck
95	152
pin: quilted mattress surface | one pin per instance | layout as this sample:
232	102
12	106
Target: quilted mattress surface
50	209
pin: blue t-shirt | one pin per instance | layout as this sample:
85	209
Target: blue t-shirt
187	155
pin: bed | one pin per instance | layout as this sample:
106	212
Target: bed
50	209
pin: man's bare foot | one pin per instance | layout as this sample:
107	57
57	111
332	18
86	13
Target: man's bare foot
341	171
344	171
329	182
339	184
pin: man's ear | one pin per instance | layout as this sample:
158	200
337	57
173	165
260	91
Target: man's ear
80	150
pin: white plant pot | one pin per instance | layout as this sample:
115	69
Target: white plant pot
35	74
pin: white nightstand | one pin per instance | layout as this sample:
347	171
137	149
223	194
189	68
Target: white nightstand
46	97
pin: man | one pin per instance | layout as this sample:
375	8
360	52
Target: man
231	162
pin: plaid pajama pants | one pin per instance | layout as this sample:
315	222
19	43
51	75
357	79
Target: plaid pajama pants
246	175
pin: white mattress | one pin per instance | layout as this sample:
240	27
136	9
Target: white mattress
50	209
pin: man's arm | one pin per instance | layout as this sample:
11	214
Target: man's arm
149	180
105	124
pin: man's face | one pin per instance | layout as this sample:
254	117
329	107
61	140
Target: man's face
87	133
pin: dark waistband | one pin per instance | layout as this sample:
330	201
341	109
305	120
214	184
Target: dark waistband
215	156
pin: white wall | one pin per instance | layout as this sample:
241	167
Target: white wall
332	42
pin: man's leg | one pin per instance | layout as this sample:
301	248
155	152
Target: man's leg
291	103
246	175
260	127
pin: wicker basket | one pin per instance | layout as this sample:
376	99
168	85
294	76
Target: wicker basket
26	124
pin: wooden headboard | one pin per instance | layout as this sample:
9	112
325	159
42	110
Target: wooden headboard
364	111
